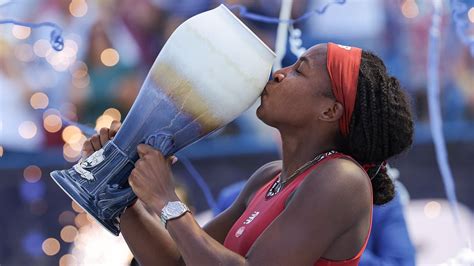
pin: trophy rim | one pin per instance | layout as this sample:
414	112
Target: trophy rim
222	6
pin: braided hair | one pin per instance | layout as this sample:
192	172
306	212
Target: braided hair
381	125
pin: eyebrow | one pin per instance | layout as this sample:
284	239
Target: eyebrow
305	59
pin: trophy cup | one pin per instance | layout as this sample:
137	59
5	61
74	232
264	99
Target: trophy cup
210	70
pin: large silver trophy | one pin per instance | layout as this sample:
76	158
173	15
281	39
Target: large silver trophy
210	70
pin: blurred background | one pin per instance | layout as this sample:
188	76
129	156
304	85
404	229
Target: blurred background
109	46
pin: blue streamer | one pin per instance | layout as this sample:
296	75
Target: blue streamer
460	17
272	20
87	130
435	115
56	39
200	182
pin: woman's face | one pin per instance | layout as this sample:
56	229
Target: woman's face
299	93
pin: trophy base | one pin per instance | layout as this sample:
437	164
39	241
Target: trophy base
70	187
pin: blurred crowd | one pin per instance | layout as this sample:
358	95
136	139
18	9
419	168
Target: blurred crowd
111	45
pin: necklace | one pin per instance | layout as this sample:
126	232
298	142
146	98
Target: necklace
279	184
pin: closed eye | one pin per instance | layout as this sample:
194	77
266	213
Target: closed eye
298	71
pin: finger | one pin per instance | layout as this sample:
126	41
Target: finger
139	164
144	149
95	141
114	128
132	178
103	135
87	149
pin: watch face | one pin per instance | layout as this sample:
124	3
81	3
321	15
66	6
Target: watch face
174	209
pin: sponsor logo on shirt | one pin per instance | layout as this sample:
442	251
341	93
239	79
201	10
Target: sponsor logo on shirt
240	231
251	217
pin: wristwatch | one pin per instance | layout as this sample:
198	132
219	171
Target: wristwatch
173	210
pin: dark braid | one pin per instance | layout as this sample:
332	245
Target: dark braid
381	124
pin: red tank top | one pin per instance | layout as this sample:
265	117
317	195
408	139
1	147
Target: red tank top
244	232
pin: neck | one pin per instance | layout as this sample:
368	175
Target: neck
300	148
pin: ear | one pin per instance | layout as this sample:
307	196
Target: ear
332	113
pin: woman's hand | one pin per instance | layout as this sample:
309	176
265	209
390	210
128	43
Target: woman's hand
151	179
97	141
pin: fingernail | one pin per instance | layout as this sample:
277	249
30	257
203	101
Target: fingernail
174	160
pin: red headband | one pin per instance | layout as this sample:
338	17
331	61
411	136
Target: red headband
343	66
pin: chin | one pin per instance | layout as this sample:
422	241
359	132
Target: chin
262	116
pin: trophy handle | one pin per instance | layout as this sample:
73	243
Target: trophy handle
114	198
162	141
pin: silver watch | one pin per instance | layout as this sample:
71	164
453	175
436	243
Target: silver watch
173	210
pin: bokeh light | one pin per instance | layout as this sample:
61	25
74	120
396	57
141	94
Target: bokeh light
90	218
42	47
32	174
68	260
81	220
78	8
27	130
432	209
113	113
109	57
51	246
410	9
470	14
21	32
76	207
71	154
103	121
71	134
70	47
52	123
66	218
68	233
63	59
79	70
1	151
39	100
77	146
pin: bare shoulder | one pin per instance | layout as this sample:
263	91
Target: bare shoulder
328	208
341	180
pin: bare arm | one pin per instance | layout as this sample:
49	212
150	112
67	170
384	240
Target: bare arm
151	243
328	203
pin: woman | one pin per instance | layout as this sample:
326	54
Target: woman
336	109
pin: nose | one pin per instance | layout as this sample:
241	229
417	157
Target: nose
278	76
